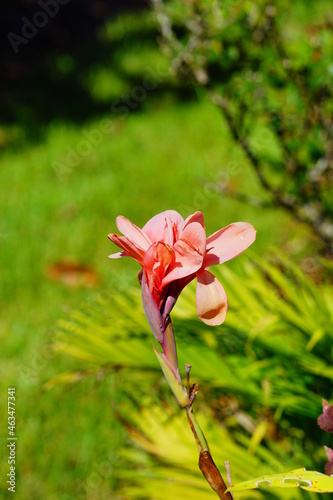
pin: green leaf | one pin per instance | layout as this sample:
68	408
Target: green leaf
170	452
308	480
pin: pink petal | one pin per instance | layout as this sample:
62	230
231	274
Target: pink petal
194	234
129	248
325	420
133	233
157	260
187	261
211	299
157	228
196	217
117	255
173	292
329	453
228	242
329	468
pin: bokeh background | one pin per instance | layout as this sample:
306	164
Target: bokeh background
103	112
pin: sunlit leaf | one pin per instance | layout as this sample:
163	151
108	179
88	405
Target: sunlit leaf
174	473
315	482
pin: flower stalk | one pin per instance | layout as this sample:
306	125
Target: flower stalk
196	430
173	380
185	398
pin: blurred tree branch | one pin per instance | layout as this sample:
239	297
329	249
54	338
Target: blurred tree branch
261	77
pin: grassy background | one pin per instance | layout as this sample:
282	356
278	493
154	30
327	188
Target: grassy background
171	154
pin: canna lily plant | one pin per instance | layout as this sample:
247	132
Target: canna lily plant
172	252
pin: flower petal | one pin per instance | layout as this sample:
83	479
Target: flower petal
157	260
157	228
133	233
187	260
325	420
129	248
117	255
196	217
211	299
173	292
193	230
195	235
329	453
228	242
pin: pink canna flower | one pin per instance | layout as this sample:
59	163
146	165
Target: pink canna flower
173	251
329	465
325	420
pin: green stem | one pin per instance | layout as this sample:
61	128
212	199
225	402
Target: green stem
169	364
196	430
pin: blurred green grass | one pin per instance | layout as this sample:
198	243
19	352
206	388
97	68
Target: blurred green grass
172	155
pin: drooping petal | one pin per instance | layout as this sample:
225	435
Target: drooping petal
133	233
187	260
129	248
157	228
228	242
211	299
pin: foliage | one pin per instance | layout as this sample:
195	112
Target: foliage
264	372
300	478
168	468
271	77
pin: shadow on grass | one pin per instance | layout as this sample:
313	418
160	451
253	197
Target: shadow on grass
46	79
